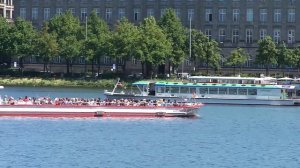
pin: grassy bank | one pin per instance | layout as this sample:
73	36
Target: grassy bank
40	82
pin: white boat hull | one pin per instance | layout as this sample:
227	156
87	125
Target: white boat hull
287	102
94	111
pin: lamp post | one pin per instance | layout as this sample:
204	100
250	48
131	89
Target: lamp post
85	65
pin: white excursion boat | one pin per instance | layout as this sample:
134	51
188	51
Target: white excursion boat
216	90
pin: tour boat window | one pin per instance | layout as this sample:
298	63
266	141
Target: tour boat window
223	91
203	90
232	91
184	90
160	89
252	91
213	90
242	91
174	89
168	90
192	90
145	88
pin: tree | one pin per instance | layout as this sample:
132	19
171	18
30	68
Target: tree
205	50
176	34
266	53
125	41
296	58
69	36
6	41
238	57
23	37
154	46
95	45
284	57
46	46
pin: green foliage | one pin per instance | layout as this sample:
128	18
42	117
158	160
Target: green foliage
5	41
23	38
296	57
125	41
96	43
237	58
284	56
46	46
205	50
154	44
69	38
266	53
176	34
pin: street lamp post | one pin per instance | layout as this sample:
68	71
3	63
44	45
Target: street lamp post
85	65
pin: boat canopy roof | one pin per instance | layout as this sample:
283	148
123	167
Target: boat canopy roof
141	83
231	78
183	84
285	79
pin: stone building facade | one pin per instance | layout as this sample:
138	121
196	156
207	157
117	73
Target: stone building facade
6	9
233	23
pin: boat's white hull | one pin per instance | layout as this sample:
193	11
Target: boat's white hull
94	111
287	102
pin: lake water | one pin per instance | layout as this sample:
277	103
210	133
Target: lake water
224	137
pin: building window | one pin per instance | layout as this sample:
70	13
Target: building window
150	12
108	13
262	33
222	15
277	15
291	36
249	15
107	60
188	63
249	36
276	35
235	36
83	14
177	12
208	33
136	14
32	59
236	15
291	15
133	61
263	15
57	59
208	15
222	35
97	10
46	13
121	13
35	13
81	60
191	13
72	10
58	11
292	2
23	13
162	12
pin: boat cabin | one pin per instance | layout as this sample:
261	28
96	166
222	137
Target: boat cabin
215	90
232	80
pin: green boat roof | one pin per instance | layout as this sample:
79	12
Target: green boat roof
141	83
165	83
